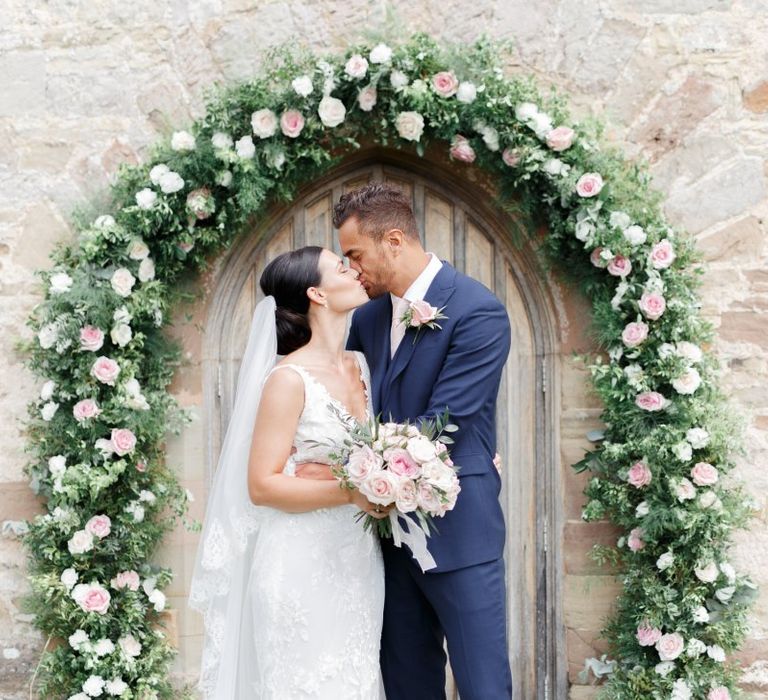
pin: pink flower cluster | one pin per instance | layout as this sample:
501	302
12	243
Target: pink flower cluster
401	466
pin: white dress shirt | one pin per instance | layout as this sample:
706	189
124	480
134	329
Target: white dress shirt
416	292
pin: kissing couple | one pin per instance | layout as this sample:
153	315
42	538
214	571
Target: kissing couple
299	600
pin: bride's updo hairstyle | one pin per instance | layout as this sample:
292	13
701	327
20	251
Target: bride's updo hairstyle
287	279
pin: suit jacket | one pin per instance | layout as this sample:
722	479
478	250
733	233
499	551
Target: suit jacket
457	367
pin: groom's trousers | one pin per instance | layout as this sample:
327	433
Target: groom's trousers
467	607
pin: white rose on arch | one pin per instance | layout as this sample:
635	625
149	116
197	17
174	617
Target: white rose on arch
264	123
410	125
356	67
182	141
331	111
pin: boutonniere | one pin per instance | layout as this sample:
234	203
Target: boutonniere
420	314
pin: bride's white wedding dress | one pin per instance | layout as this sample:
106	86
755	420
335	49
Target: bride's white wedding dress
316	585
292	603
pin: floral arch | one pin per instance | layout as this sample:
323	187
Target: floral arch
96	432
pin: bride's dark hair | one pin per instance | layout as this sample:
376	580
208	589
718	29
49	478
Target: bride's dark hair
287	278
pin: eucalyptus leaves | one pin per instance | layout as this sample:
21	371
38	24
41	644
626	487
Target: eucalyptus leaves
97	429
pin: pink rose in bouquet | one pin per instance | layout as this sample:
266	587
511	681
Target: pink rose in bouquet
402	463
399	465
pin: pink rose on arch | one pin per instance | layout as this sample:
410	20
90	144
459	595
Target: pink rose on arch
639	475
105	370
648	636
141	466
650	401
381	487
461	149
589	185
704	474
560	139
597	259
445	83
85	409
662	255
422	313
719	692
123	441
91	597
91	338
99	526
126	579
652	305
291	123
670	646
511	157
634	334
401	463
619	266
635	540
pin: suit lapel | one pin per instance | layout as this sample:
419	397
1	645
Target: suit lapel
437	295
381	343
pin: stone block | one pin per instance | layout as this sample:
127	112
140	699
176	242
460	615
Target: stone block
756	99
588	600
725	193
23	83
740	242
672	116
578	539
744	327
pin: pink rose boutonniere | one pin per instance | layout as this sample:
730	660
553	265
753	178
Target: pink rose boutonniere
420	314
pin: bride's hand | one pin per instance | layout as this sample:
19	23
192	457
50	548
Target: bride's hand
372	509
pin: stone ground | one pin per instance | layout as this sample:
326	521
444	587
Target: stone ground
683	84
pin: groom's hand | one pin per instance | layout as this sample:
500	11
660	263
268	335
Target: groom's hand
497	462
314	470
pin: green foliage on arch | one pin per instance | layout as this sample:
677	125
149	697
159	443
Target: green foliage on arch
97	430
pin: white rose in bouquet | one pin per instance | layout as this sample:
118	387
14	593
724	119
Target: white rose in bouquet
421	448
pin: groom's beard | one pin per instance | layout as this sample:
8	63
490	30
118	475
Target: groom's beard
381	283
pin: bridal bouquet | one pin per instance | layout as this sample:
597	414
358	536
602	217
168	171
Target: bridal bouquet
400	465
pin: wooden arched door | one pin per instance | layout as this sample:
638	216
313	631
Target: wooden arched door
458	225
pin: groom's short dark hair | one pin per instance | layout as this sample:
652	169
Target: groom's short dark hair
378	208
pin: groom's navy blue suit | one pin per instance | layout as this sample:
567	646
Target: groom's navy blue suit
456	367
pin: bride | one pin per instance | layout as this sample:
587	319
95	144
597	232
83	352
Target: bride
291	587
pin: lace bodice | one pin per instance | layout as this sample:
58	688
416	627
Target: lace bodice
324	422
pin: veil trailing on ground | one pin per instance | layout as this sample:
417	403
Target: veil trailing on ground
224	556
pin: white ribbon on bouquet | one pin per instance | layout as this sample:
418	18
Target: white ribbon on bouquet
414	536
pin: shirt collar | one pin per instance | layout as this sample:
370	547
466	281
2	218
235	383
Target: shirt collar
419	287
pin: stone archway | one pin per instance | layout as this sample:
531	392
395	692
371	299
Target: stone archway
458	222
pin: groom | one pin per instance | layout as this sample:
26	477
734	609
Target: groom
418	375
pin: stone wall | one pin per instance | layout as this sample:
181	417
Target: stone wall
683	84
